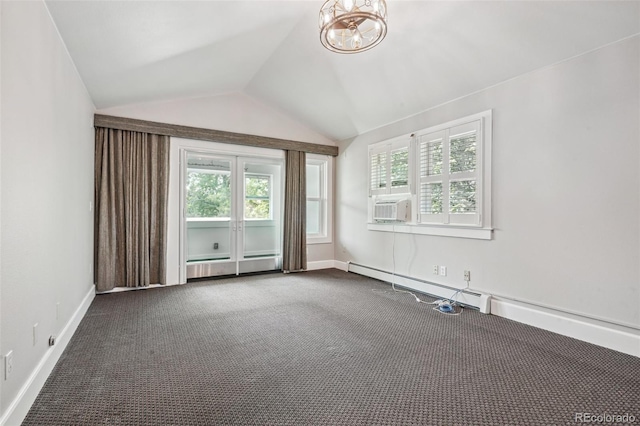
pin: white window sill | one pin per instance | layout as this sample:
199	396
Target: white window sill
442	230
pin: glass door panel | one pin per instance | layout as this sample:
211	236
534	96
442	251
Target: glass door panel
209	212
261	207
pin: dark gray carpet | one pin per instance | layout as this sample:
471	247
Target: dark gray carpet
325	348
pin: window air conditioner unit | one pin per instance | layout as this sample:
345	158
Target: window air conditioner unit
397	210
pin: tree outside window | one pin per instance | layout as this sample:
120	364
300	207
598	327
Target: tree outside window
257	201
208	194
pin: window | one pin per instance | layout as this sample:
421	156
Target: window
257	196
318	199
449	178
452	191
208	193
391	156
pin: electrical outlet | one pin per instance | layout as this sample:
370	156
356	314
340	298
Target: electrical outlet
467	276
443	271
35	333
216	246
436	270
8	364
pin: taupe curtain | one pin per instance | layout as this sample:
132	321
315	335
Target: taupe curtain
294	256
131	190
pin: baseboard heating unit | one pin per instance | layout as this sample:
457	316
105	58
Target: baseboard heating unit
466	298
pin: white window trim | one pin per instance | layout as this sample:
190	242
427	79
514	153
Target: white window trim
434	230
483	230
326	198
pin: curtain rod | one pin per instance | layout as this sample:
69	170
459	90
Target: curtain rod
174	130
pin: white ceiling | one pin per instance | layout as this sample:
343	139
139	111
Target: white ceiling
131	52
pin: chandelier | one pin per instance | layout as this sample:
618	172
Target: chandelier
352	26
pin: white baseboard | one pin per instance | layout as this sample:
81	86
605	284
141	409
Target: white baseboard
468	298
19	407
327	264
343	266
320	264
612	336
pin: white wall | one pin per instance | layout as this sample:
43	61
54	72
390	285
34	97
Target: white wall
47	186
566	191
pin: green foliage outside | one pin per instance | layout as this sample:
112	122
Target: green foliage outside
435	159
400	168
463	154
257	203
433	195
209	195
462	196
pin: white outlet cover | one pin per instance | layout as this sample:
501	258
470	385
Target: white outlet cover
443	271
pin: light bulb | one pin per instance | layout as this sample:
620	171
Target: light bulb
378	29
347	5
356	40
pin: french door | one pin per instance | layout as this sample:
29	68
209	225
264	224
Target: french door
231	214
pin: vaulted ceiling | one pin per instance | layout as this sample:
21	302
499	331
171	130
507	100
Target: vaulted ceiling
132	52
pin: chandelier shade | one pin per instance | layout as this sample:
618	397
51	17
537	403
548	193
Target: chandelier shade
351	26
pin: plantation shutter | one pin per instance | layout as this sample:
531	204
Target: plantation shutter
431	163
389	167
399	170
377	172
449	175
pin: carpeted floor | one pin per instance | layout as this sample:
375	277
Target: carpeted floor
321	348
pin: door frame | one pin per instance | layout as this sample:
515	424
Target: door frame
237	221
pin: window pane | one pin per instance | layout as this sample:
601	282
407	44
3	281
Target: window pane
462	155
257	209
462	196
400	167
208	194
431	198
431	158
257	203
313	180
313	217
257	186
379	170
